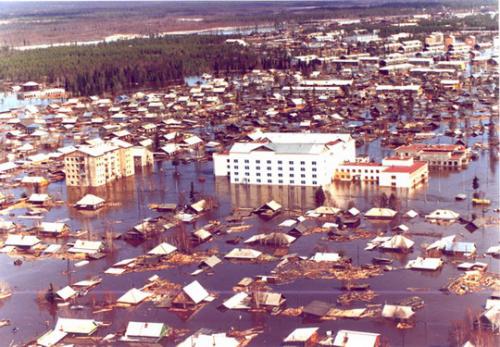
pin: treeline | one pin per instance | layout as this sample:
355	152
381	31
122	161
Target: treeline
123	65
476	21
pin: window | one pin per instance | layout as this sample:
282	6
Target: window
269	162
314	169
235	160
302	169
269	181
280	162
393	177
291	175
247	161
292	182
236	167
247	173
229	166
302	163
247	167
236	173
280	175
303	176
269	174
302	182
258	180
280	181
313	162
236	179
280	168
315	183
291	168
258	174
257	162
268	168
314	176
257	167
290	162
227	160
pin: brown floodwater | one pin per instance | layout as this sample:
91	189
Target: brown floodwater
129	198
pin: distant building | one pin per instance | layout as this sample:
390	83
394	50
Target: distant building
447	156
302	159
93	166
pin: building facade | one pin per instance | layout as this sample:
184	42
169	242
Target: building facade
300	159
93	166
444	156
392	172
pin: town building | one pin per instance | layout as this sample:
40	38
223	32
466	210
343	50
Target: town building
99	164
440	155
392	172
302	159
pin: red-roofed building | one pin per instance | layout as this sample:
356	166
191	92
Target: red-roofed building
392	172
448	156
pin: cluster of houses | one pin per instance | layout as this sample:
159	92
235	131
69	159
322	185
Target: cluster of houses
419	98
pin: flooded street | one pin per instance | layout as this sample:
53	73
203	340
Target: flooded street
129	199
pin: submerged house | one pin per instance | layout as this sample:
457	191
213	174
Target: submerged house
90	202
351	338
145	332
269	209
190	296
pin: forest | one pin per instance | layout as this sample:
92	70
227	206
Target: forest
124	65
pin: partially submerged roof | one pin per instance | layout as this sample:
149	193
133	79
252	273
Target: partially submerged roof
163	248
76	326
90	200
378	212
443	215
195	292
145	329
243	253
397	312
133	296
351	338
301	335
425	264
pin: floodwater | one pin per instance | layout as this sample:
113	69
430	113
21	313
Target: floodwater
32	316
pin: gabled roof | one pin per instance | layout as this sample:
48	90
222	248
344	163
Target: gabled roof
133	296
195	292
76	326
163	248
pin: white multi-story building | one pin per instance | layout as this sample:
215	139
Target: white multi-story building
301	159
93	166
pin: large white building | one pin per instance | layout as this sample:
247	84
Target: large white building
96	165
301	159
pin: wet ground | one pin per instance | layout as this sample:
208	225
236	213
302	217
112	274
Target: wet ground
32	316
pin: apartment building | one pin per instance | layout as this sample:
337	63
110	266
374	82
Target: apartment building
440	155
300	159
393	172
99	164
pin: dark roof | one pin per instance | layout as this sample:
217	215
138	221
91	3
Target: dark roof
317	308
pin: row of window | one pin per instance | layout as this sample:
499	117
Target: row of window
280	162
269	174
359	170
280	168
270	181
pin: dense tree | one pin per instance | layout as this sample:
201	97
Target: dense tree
124	65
